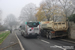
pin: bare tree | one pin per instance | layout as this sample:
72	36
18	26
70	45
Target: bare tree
28	13
68	7
57	10
46	8
11	21
51	9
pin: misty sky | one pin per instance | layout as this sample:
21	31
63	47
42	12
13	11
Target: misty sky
15	6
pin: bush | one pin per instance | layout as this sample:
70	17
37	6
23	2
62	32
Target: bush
72	18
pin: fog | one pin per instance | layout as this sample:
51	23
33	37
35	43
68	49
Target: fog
14	6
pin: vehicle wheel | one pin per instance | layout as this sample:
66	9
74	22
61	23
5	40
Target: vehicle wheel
24	36
65	37
50	35
47	35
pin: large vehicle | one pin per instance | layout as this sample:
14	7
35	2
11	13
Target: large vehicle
52	29
30	29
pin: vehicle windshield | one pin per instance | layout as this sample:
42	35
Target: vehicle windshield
32	24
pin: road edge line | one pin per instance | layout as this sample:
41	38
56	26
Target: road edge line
19	42
67	40
45	41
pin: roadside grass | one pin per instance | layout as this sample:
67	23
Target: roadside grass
3	36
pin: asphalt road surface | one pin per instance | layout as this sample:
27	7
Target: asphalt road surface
44	43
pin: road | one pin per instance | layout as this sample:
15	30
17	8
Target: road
44	44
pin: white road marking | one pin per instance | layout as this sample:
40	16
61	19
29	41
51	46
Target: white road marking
19	42
56	46
68	40
45	41
60	47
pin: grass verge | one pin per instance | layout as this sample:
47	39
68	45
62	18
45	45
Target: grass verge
3	36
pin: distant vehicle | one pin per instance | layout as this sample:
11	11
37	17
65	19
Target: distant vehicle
6	30
30	29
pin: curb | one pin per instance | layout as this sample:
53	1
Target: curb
19	42
67	40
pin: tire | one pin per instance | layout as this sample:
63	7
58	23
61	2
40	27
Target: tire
50	35
24	36
65	37
42	33
47	35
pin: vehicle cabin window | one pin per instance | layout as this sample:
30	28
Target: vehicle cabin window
32	24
